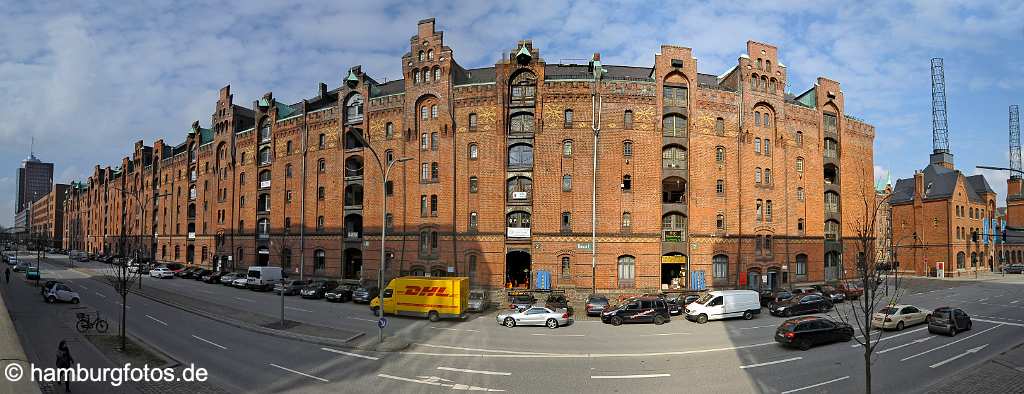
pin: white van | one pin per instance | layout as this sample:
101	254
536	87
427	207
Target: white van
724	304
263	278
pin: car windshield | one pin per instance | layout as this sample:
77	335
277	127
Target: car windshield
254	274
476	296
943	314
888	311
522	298
704	299
788	325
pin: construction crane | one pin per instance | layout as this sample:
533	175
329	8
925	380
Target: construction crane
1015	166
940	134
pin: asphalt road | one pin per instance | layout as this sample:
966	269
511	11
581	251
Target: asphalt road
722	356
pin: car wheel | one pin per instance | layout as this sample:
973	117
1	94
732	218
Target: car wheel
748	315
433	316
968	325
510	322
616	321
702	318
659	320
848	338
804	345
899	326
787	313
552	323
74	300
952	331
51	299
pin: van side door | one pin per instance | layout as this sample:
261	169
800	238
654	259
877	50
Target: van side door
716	307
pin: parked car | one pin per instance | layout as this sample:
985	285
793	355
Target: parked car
201	273
852	290
82	258
229	278
342	293
174	267
240	282
534	316
897	317
638	310
831	293
558	301
161	272
22	266
800	304
186	273
521	300
596	303
291	287
46	286
61	292
724	304
948	321
263	278
1014	269
805	332
804	290
212	277
477	301
769	297
364	295
317	289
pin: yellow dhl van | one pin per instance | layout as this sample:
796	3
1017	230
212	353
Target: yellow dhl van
434	298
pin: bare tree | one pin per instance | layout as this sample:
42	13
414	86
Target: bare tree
875	280
121	278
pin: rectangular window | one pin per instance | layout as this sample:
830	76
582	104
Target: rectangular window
472	122
767	147
566	222
425	172
720	187
674	96
433	205
433	141
768	211
433	172
627	120
423	205
831	124
423	141
474	184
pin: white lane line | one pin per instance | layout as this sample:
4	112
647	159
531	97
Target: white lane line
359	318
895	336
298	309
454	329
983	300
653	375
662	335
474	371
156	320
120	304
771	362
349	354
1014	302
558	335
300	373
951	343
969	351
436	381
997	317
471	349
207	341
886	350
101	295
751	328
816	385
243	299
86	288
999	322
583	355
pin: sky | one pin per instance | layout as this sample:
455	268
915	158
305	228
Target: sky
87	79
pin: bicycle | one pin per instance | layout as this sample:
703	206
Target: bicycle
85	324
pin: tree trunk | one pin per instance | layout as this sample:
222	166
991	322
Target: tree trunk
867	371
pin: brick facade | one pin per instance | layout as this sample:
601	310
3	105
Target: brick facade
500	174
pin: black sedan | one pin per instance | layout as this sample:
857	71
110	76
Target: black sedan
1014	269
316	290
596	304
804	332
800	304
341	293
200	274
212	277
363	295
769	297
291	287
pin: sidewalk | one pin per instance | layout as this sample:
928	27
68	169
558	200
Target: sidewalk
1001	374
11	351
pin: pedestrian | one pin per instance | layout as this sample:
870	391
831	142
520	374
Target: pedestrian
64	360
7	274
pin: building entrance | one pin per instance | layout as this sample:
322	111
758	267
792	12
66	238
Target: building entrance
517	269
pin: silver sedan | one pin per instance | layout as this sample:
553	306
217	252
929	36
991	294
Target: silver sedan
534	316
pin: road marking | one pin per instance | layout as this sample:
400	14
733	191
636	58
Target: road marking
120	304
101	295
969	351
999	322
751	328
243	299
558	335
997	317
894	336
951	343
480	350
86	288
653	375
983	300
359	318
454	329
770	363
582	355
214	344
156	320
816	385
475	371
659	335
905	344
298	309
349	354
1014	302
300	373
436	381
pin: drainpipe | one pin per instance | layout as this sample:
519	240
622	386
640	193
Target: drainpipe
302	201
595	124
739	184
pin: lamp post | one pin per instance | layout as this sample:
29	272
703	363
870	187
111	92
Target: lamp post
595	125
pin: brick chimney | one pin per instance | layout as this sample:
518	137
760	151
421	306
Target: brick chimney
919	185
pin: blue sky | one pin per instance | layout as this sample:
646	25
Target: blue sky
87	79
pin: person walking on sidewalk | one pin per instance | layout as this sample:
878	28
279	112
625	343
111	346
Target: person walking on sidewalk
7	274
64	360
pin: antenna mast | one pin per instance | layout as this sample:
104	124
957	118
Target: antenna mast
940	134
1015	142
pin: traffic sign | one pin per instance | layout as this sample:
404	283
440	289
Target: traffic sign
382	322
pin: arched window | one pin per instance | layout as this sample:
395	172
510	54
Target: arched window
720	154
426	75
767	120
520	155
974	259
521	123
420	57
353	195
627	148
800	194
767	147
567	148
627	271
566	268
265	130
389	130
425	112
319	260
566	183
627	182
831	230
354	109
567	118
264	178
674	125
831	202
472	122
757	175
627	119
757	118
720	222
767	176
474	184
799	138
320	223
321	165
673	157
263	202
437	73
430	55
768	65
473	220
719	126
800	165
831	148
415	76
264	156
627	220
474	152
801	264
753	82
757	145
353	164
720	266
519	188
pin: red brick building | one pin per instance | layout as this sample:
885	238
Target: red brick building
48	216
724	177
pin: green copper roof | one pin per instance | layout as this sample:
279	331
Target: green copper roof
205	136
264	102
523	51
809	98
351	77
283	110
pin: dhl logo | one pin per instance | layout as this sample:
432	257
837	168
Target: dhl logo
437	291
